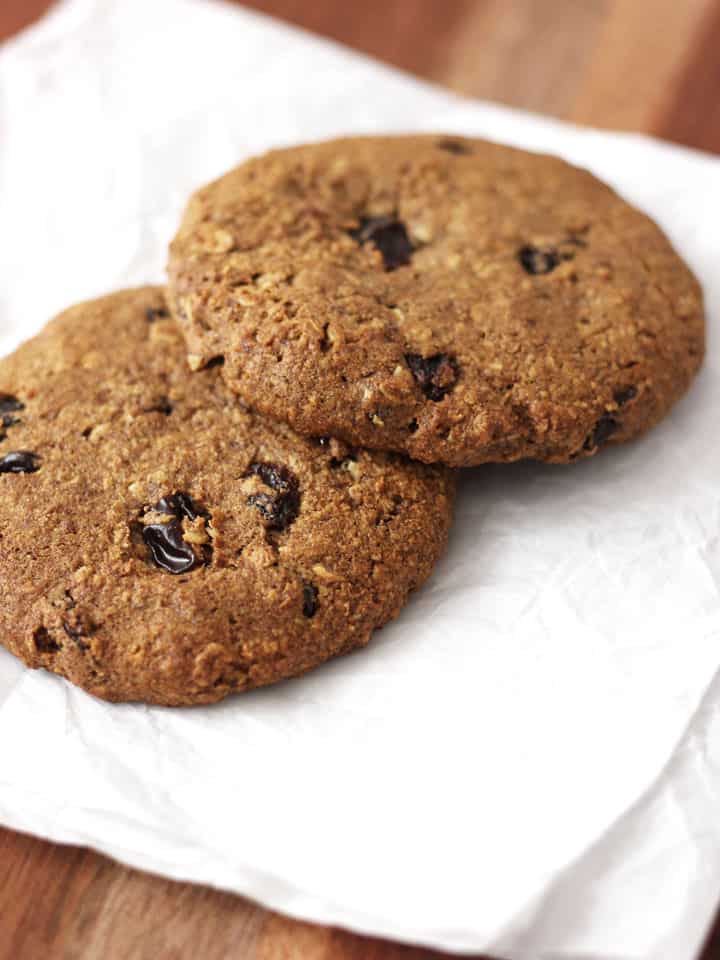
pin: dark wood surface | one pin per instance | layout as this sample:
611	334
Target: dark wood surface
646	65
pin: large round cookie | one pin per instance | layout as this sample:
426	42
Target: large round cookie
162	543
454	299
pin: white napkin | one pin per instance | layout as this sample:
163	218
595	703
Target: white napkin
528	761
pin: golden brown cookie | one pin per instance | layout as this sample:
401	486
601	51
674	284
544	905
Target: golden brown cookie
162	543
454	299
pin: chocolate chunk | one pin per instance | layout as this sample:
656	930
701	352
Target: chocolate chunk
435	375
167	547
43	642
453	146
169	550
20	461
536	260
310	600
180	505
217	361
280	508
624	396
155	313
389	236
606	426
10	404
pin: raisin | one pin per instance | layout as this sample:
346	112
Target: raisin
281	507
606	426
217	361
310	600
20	461
435	375
389	236
155	313
537	261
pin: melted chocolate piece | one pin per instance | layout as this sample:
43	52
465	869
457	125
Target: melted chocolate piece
310	600
43	642
168	549
217	361
622	397
20	461
10	404
389	236
537	261
281	507
435	375
606	426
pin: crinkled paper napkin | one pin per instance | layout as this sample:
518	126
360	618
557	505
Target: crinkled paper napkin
527	762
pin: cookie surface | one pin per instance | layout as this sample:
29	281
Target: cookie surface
162	543
453	299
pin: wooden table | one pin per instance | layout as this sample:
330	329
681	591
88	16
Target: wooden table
649	65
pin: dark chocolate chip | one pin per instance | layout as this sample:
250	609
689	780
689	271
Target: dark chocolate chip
389	236
155	313
20	461
180	505
217	361
606	426
435	375
10	404
413	426
168	549
625	395
453	146
280	508
537	261
44	643
310	600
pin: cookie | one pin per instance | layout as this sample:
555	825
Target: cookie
452	299
162	543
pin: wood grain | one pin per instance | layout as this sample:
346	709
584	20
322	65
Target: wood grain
648	65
